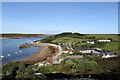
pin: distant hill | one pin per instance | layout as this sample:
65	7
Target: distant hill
17	36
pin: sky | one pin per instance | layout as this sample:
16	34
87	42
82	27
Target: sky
58	17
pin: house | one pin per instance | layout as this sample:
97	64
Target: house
49	60
86	53
68	51
104	40
86	50
91	42
46	62
97	52
98	55
90	51
98	49
57	61
38	73
109	55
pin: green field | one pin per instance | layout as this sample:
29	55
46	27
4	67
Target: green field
68	40
113	36
112	47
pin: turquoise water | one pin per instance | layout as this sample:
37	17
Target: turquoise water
11	52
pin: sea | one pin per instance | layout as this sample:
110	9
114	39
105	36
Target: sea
10	51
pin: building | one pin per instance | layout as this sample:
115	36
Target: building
57	61
86	50
94	52
44	63
68	51
109	55
103	40
90	51
91	42
38	73
97	52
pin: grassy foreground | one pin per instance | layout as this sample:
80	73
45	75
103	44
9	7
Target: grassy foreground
87	67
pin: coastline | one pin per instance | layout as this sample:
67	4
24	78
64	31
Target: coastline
2	38
18	38
46	50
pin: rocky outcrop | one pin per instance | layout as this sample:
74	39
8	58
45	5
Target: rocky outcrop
29	44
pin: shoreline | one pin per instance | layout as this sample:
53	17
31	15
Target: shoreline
46	50
2	38
19	37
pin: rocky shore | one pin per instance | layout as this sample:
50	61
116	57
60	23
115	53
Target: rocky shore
30	44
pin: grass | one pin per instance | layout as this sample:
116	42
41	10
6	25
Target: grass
112	47
113	36
68	40
65	54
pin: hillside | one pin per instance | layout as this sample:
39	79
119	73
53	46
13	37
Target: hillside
17	36
77	39
113	36
68	40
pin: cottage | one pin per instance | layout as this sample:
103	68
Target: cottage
38	73
98	52
86	50
57	61
68	51
91	42
104	40
91	51
46	62
109	55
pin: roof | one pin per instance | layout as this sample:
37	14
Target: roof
86	53
95	50
68	50
86	49
89	41
49	60
98	50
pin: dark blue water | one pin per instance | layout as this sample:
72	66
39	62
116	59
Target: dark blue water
11	52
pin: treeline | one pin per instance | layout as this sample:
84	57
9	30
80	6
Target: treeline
74	35
69	34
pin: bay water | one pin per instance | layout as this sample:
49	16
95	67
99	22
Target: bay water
11	52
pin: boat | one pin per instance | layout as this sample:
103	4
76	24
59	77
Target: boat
1	56
8	54
16	52
20	51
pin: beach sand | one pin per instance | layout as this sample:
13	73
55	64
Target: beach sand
2	38
46	50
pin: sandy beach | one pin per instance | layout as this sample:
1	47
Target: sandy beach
46	50
2	38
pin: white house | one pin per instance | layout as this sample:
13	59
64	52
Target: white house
109	55
86	50
38	73
90	51
101	40
91	42
44	63
68	51
57	61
